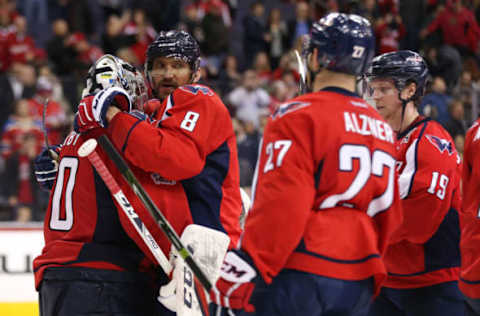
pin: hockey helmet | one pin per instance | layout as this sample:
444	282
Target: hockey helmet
176	44
403	67
345	43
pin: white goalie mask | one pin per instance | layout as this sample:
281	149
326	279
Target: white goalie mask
111	71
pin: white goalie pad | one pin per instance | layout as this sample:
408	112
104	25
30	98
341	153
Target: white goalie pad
208	247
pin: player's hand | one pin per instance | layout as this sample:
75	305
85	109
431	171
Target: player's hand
46	167
94	114
235	286
167	295
84	120
151	106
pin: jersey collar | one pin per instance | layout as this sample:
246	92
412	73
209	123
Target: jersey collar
341	91
418	121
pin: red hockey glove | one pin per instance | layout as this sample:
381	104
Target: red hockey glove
151	106
84	119
93	114
236	283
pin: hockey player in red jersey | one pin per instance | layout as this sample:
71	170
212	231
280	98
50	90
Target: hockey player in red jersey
188	154
325	193
470	246
93	262
190	150
424	259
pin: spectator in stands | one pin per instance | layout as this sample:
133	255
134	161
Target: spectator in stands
249	98
229	76
86	53
191	23
445	62
301	24
389	32
276	37
468	91
254	32
164	15
55	118
17	83
114	38
20	123
144	34
216	36
288	65
60	54
413	15
21	47
262	67
458	26
6	28
36	13
278	95
435	103
456	125
22	190
204	6
248	140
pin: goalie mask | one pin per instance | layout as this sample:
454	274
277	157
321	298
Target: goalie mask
110	71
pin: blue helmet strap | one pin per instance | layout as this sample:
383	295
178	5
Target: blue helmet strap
404	103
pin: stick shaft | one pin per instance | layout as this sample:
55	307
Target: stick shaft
153	209
127	208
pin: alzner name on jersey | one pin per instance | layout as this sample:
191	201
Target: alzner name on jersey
366	125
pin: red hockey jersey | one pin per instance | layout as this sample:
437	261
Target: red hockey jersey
426	248
325	194
84	227
470	241
191	157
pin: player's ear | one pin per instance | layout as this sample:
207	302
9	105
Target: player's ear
409	91
196	76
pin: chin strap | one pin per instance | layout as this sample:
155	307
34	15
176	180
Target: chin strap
404	105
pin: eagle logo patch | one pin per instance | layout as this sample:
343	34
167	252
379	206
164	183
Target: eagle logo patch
288	107
441	144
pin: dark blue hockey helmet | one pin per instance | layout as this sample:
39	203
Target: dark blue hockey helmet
177	44
403	67
345	43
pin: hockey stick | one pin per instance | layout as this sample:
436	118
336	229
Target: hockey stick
44	115
303	74
154	211
88	150
52	153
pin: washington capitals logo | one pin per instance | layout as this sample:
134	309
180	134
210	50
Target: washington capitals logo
441	144
194	89
288	107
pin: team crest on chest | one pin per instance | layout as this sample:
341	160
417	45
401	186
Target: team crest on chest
158	179
441	144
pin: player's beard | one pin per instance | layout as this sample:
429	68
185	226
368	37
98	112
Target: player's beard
163	89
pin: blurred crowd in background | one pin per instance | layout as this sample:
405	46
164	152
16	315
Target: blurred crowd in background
47	46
